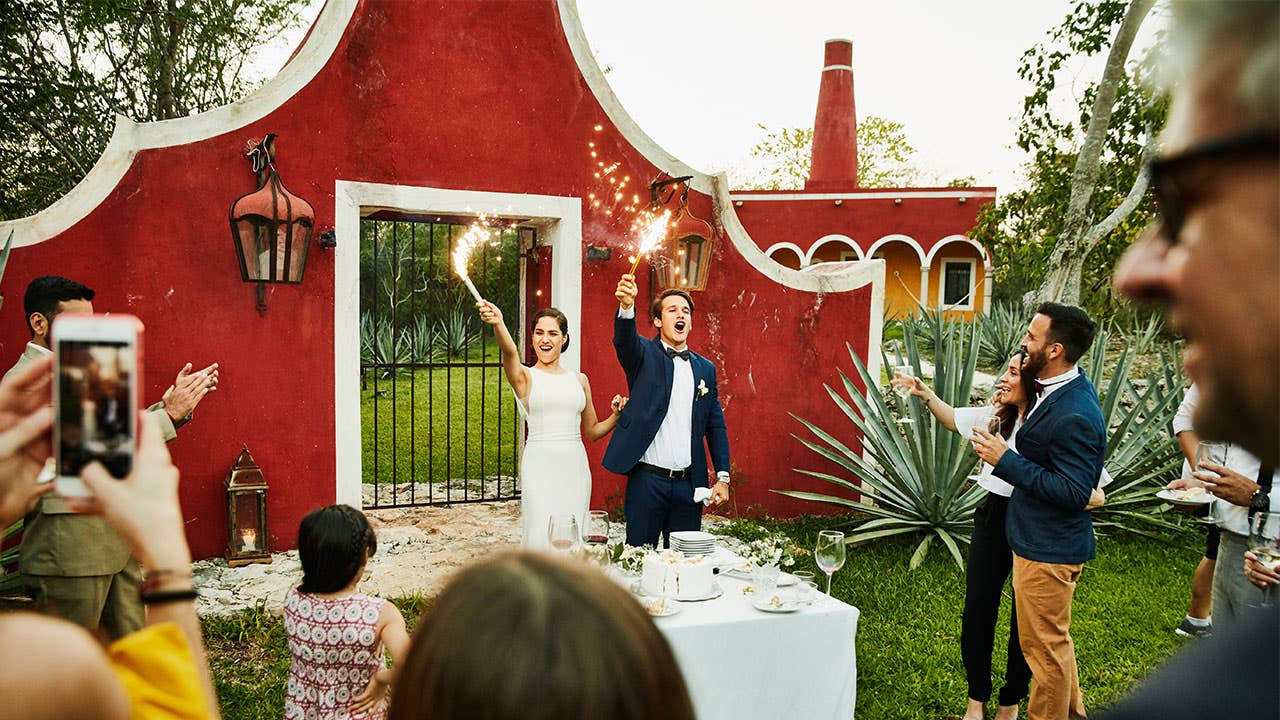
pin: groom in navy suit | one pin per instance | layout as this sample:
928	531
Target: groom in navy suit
673	409
1060	449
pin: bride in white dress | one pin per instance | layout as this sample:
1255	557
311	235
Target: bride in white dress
554	476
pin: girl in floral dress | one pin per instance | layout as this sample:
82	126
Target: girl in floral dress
337	636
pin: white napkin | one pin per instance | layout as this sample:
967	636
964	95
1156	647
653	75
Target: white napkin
702	495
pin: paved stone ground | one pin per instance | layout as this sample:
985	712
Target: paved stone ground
418	548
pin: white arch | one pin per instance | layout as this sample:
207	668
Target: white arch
871	251
982	252
129	138
827	239
787	246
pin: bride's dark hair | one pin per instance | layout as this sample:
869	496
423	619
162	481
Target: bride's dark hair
559	318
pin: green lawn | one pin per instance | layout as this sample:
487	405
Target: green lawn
433	425
1128	602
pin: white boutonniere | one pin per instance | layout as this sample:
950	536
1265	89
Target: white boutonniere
702	388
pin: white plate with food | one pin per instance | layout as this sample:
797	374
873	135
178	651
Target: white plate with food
775	604
660	607
1188	497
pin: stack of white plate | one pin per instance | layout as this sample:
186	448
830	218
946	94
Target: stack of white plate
693	542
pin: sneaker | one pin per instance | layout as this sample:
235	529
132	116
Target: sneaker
1189	629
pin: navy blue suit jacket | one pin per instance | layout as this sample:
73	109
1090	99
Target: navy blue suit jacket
649	375
1059	459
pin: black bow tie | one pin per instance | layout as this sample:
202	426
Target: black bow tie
682	354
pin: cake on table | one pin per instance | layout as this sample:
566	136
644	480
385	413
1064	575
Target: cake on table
672	573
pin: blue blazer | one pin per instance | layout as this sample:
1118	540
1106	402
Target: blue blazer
1057	465
649	372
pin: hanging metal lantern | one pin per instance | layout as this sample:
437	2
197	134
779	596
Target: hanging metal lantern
270	227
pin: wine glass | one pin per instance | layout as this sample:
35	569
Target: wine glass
990	422
829	553
563	533
1264	541
903	391
597	527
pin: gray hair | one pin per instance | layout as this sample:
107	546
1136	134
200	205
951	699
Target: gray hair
1201	27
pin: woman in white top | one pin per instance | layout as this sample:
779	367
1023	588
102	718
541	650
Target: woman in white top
555	479
990	559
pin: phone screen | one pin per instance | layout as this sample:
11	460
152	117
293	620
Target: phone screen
95	406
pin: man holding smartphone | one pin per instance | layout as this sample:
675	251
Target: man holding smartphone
76	565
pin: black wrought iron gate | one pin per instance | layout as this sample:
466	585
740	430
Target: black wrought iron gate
439	423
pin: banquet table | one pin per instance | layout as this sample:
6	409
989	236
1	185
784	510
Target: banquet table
741	663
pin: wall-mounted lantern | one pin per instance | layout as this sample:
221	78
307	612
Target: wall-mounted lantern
687	251
270	227
246	512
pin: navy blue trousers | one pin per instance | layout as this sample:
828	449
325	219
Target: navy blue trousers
656	505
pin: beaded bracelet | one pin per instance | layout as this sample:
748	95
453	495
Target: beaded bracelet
157	578
165	596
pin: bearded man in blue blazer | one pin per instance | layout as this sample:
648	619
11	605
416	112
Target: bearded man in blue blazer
1060	449
674	408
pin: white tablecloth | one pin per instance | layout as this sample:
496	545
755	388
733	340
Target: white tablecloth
741	663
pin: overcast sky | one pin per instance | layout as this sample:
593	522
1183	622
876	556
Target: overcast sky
700	75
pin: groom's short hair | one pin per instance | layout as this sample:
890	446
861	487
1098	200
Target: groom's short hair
655	308
1070	326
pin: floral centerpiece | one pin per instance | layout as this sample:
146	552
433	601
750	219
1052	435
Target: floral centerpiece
629	558
776	549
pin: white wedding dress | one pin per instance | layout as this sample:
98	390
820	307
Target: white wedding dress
554	475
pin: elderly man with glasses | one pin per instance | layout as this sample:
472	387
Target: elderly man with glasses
1213	262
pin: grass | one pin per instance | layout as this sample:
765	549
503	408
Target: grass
434	425
1127	603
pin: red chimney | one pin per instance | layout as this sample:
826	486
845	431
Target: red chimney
835	127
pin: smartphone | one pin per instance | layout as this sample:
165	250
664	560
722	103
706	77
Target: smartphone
97	368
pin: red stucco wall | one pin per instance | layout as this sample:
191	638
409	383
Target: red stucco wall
482	96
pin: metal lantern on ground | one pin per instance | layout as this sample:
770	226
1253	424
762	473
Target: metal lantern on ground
246	512
270	227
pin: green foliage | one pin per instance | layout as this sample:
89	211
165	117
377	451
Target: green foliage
1142	454
885	158
67	67
1021	230
915	474
458	330
1000	334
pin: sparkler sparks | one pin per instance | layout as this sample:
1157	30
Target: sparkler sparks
477	236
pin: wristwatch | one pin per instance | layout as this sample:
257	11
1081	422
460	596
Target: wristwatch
1260	502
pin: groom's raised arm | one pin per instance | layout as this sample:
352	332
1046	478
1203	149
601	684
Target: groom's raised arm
626	341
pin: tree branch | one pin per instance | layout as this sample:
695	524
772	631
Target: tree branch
1127	206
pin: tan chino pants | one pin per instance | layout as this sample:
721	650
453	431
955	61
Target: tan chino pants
1042	593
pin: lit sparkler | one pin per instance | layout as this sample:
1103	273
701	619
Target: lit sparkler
653	228
477	236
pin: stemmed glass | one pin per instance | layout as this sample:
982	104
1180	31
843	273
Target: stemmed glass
597	536
990	422
1264	541
562	533
829	553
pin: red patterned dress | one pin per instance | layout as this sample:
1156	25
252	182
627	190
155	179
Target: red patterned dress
335	649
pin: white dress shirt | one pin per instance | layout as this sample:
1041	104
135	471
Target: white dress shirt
671	447
1229	517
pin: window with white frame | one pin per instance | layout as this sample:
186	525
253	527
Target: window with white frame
958	283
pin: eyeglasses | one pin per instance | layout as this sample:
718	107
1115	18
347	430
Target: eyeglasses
1174	179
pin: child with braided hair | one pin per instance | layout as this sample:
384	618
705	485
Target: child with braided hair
338	638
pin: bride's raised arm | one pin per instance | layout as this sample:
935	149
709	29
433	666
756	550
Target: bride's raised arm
517	374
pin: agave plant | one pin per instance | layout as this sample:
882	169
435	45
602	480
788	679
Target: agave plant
1142	454
457	332
916	474
1000	333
